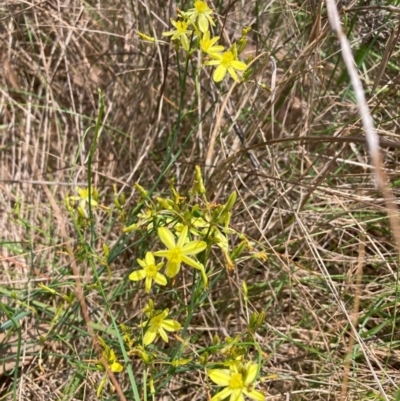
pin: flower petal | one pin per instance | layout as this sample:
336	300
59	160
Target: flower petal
206	37
251	373
255	395
170	325
142	263
116	367
221	377
192	262
222	394
167	238
237	395
161	253
163	334
185	42
169	33
214	40
149	258
215	52
214	62
172	269
219	73
149	337
160	279
233	74
182	237
203	23
137	275
148	282
210	20
238	65
193	247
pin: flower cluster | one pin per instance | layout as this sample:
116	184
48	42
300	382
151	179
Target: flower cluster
178	251
183	230
186	226
192	32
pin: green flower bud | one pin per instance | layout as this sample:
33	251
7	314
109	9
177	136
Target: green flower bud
231	201
130	228
198	184
245	290
241	44
204	359
253	321
238	250
122	199
261	318
106	250
165	203
216	340
142	191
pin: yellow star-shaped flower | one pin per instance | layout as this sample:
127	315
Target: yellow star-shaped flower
149	272
202	13
178	252
181	32
238	382
208	46
157	325
227	62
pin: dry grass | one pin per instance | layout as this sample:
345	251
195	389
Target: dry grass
306	193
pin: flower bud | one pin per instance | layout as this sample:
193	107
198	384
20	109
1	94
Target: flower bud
231	201
106	250
199	185
142	191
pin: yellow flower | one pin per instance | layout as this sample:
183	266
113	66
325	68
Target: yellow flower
179	252
157	325
238	381
112	361
109	356
181	32
83	198
202	13
149	272
227	63
207	45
